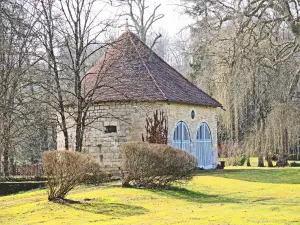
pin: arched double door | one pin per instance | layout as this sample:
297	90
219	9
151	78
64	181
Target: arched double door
203	143
204	147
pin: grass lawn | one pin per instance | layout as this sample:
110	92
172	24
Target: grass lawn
254	162
233	196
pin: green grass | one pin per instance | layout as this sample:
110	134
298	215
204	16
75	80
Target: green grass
254	162
233	196
267	175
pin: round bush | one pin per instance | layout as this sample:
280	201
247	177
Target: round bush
155	165
66	169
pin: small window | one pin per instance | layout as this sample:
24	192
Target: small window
193	114
110	129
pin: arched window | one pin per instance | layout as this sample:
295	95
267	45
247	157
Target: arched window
181	137
204	146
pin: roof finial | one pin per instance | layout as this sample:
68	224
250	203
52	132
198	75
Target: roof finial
127	25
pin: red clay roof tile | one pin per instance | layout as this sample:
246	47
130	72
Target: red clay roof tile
130	70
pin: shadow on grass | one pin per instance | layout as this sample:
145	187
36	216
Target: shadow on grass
275	176
110	209
194	196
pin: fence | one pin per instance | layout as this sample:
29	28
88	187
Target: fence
34	170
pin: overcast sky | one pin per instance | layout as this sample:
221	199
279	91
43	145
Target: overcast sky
174	20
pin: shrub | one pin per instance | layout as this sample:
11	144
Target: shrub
294	164
8	188
292	157
156	128
21	179
155	165
236	160
233	153
97	178
233	161
66	169
243	160
230	150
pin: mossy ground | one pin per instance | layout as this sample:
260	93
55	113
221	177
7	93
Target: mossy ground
233	196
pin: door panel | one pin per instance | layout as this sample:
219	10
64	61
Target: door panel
204	146
181	137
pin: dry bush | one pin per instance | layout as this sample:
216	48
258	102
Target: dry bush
155	165
230	149
65	170
232	152
97	178
156	128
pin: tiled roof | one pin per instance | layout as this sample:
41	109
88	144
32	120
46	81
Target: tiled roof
130	70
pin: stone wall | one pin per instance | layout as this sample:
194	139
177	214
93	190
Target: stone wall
208	115
129	118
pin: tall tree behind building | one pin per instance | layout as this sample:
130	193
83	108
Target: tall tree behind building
143	17
247	53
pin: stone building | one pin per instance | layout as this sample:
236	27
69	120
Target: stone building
129	83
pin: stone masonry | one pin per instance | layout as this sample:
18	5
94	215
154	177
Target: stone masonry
130	120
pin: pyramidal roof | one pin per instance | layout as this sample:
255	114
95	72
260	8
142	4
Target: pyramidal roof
131	71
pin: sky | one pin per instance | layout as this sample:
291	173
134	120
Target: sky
173	21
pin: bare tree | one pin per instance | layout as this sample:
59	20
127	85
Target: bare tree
49	37
17	44
138	11
252	49
78	36
72	32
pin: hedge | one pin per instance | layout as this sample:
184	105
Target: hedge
21	179
294	164
8	188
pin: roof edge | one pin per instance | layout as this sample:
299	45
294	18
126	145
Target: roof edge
185	103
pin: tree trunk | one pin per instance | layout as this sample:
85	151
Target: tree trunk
261	160
298	149
6	138
12	169
78	144
5	162
248	161
6	149
0	162
283	156
44	141
79	127
65	131
269	160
